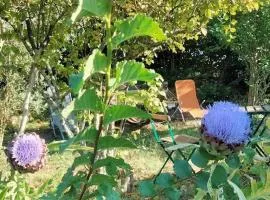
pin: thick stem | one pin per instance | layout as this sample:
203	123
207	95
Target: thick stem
27	99
92	160
106	101
109	56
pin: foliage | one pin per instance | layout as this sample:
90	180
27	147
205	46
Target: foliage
97	101
184	20
15	187
249	41
217	70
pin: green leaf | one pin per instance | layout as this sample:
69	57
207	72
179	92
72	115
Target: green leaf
172	193
88	100
202	179
3	194
58	146
96	63
43	187
55	146
140	25
219	176
108	142
76	82
83	159
164	180
118	112
119	162
128	71
67	181
182	169
107	191
98	179
249	154
88	135
147	188
200	194
99	8
200	158
237	190
233	161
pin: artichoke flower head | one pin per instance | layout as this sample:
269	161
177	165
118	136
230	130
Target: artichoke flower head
225	129
27	152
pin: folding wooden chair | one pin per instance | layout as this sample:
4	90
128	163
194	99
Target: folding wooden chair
173	143
187	99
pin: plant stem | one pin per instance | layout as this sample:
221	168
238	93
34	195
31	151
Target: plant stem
109	57
106	102
92	160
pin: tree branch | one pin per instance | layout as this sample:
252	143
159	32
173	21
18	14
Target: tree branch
51	29
30	33
17	32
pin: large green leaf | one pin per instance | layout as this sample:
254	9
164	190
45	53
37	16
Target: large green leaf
164	180
172	193
237	190
106	190
99	8
119	162
3	194
182	169
201	158
112	164
129	71
108	142
147	188
76	82
83	159
88	100
57	146
200	194
202	179
96	63
98	179
139	25
233	161
219	176
118	112
88	135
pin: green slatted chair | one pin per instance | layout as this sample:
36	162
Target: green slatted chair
173	143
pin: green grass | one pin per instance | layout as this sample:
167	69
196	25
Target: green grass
145	161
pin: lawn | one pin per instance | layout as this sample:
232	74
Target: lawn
146	160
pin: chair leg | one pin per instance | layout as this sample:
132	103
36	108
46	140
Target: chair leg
168	158
258	127
182	115
260	151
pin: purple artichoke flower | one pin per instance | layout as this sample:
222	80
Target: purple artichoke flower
27	152
225	128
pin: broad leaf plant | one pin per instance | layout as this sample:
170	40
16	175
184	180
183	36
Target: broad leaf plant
98	101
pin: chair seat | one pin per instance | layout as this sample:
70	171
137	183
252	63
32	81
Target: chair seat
181	139
196	112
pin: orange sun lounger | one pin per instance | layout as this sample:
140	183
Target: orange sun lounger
187	99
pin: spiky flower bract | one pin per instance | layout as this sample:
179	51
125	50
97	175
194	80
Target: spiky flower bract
27	152
226	127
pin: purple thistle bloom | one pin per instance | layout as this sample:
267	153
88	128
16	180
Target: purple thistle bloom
27	152
227	122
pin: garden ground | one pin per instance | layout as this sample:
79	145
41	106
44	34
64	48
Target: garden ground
146	160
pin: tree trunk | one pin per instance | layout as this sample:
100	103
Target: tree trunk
27	99
253	83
